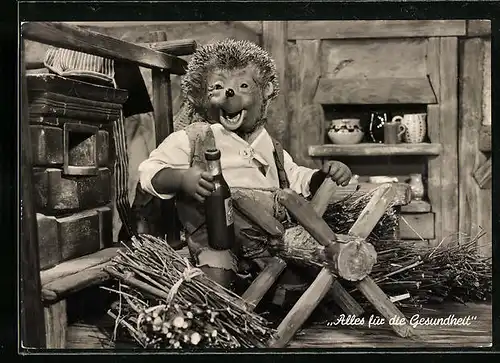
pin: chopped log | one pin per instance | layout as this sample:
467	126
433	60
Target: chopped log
287	247
351	259
300	246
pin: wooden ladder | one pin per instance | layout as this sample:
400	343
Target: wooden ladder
309	215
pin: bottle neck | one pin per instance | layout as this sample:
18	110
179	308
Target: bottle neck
214	167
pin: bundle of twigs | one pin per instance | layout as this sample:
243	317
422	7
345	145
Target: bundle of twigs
451	271
341	215
164	302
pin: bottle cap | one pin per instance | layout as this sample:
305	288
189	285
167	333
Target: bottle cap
212	154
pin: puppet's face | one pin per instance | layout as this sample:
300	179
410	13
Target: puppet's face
237	100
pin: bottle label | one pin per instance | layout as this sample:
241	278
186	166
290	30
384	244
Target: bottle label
228	203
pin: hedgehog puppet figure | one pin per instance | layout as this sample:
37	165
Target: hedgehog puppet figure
227	90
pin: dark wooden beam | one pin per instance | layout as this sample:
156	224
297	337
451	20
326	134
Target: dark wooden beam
375	29
174	47
87	41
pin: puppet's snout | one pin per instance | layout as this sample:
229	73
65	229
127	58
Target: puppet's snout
231	102
227	100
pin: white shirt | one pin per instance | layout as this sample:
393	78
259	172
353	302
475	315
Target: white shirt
240	162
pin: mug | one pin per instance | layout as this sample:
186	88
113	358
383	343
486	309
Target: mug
393	131
416	127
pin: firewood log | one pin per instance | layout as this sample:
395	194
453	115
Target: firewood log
313	243
351	258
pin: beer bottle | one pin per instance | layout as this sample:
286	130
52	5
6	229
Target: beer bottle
218	206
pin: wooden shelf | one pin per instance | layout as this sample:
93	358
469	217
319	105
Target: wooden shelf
375	91
369	149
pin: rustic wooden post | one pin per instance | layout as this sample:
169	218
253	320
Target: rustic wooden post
449	140
164	126
307	117
274	40
32	315
474	168
442	66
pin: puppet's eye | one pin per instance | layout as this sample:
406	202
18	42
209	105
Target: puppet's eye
244	85
218	86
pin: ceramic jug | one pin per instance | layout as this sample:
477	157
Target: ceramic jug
416	127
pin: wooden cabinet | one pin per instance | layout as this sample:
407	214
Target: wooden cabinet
336	68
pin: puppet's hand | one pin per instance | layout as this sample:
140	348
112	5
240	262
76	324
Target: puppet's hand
339	172
197	183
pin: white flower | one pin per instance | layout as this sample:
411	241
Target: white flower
195	338
178	322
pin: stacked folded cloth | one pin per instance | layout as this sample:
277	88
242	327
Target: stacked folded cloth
81	87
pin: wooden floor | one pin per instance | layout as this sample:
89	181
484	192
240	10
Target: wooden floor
324	335
477	334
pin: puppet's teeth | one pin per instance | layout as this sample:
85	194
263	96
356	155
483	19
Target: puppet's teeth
242	115
235	119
